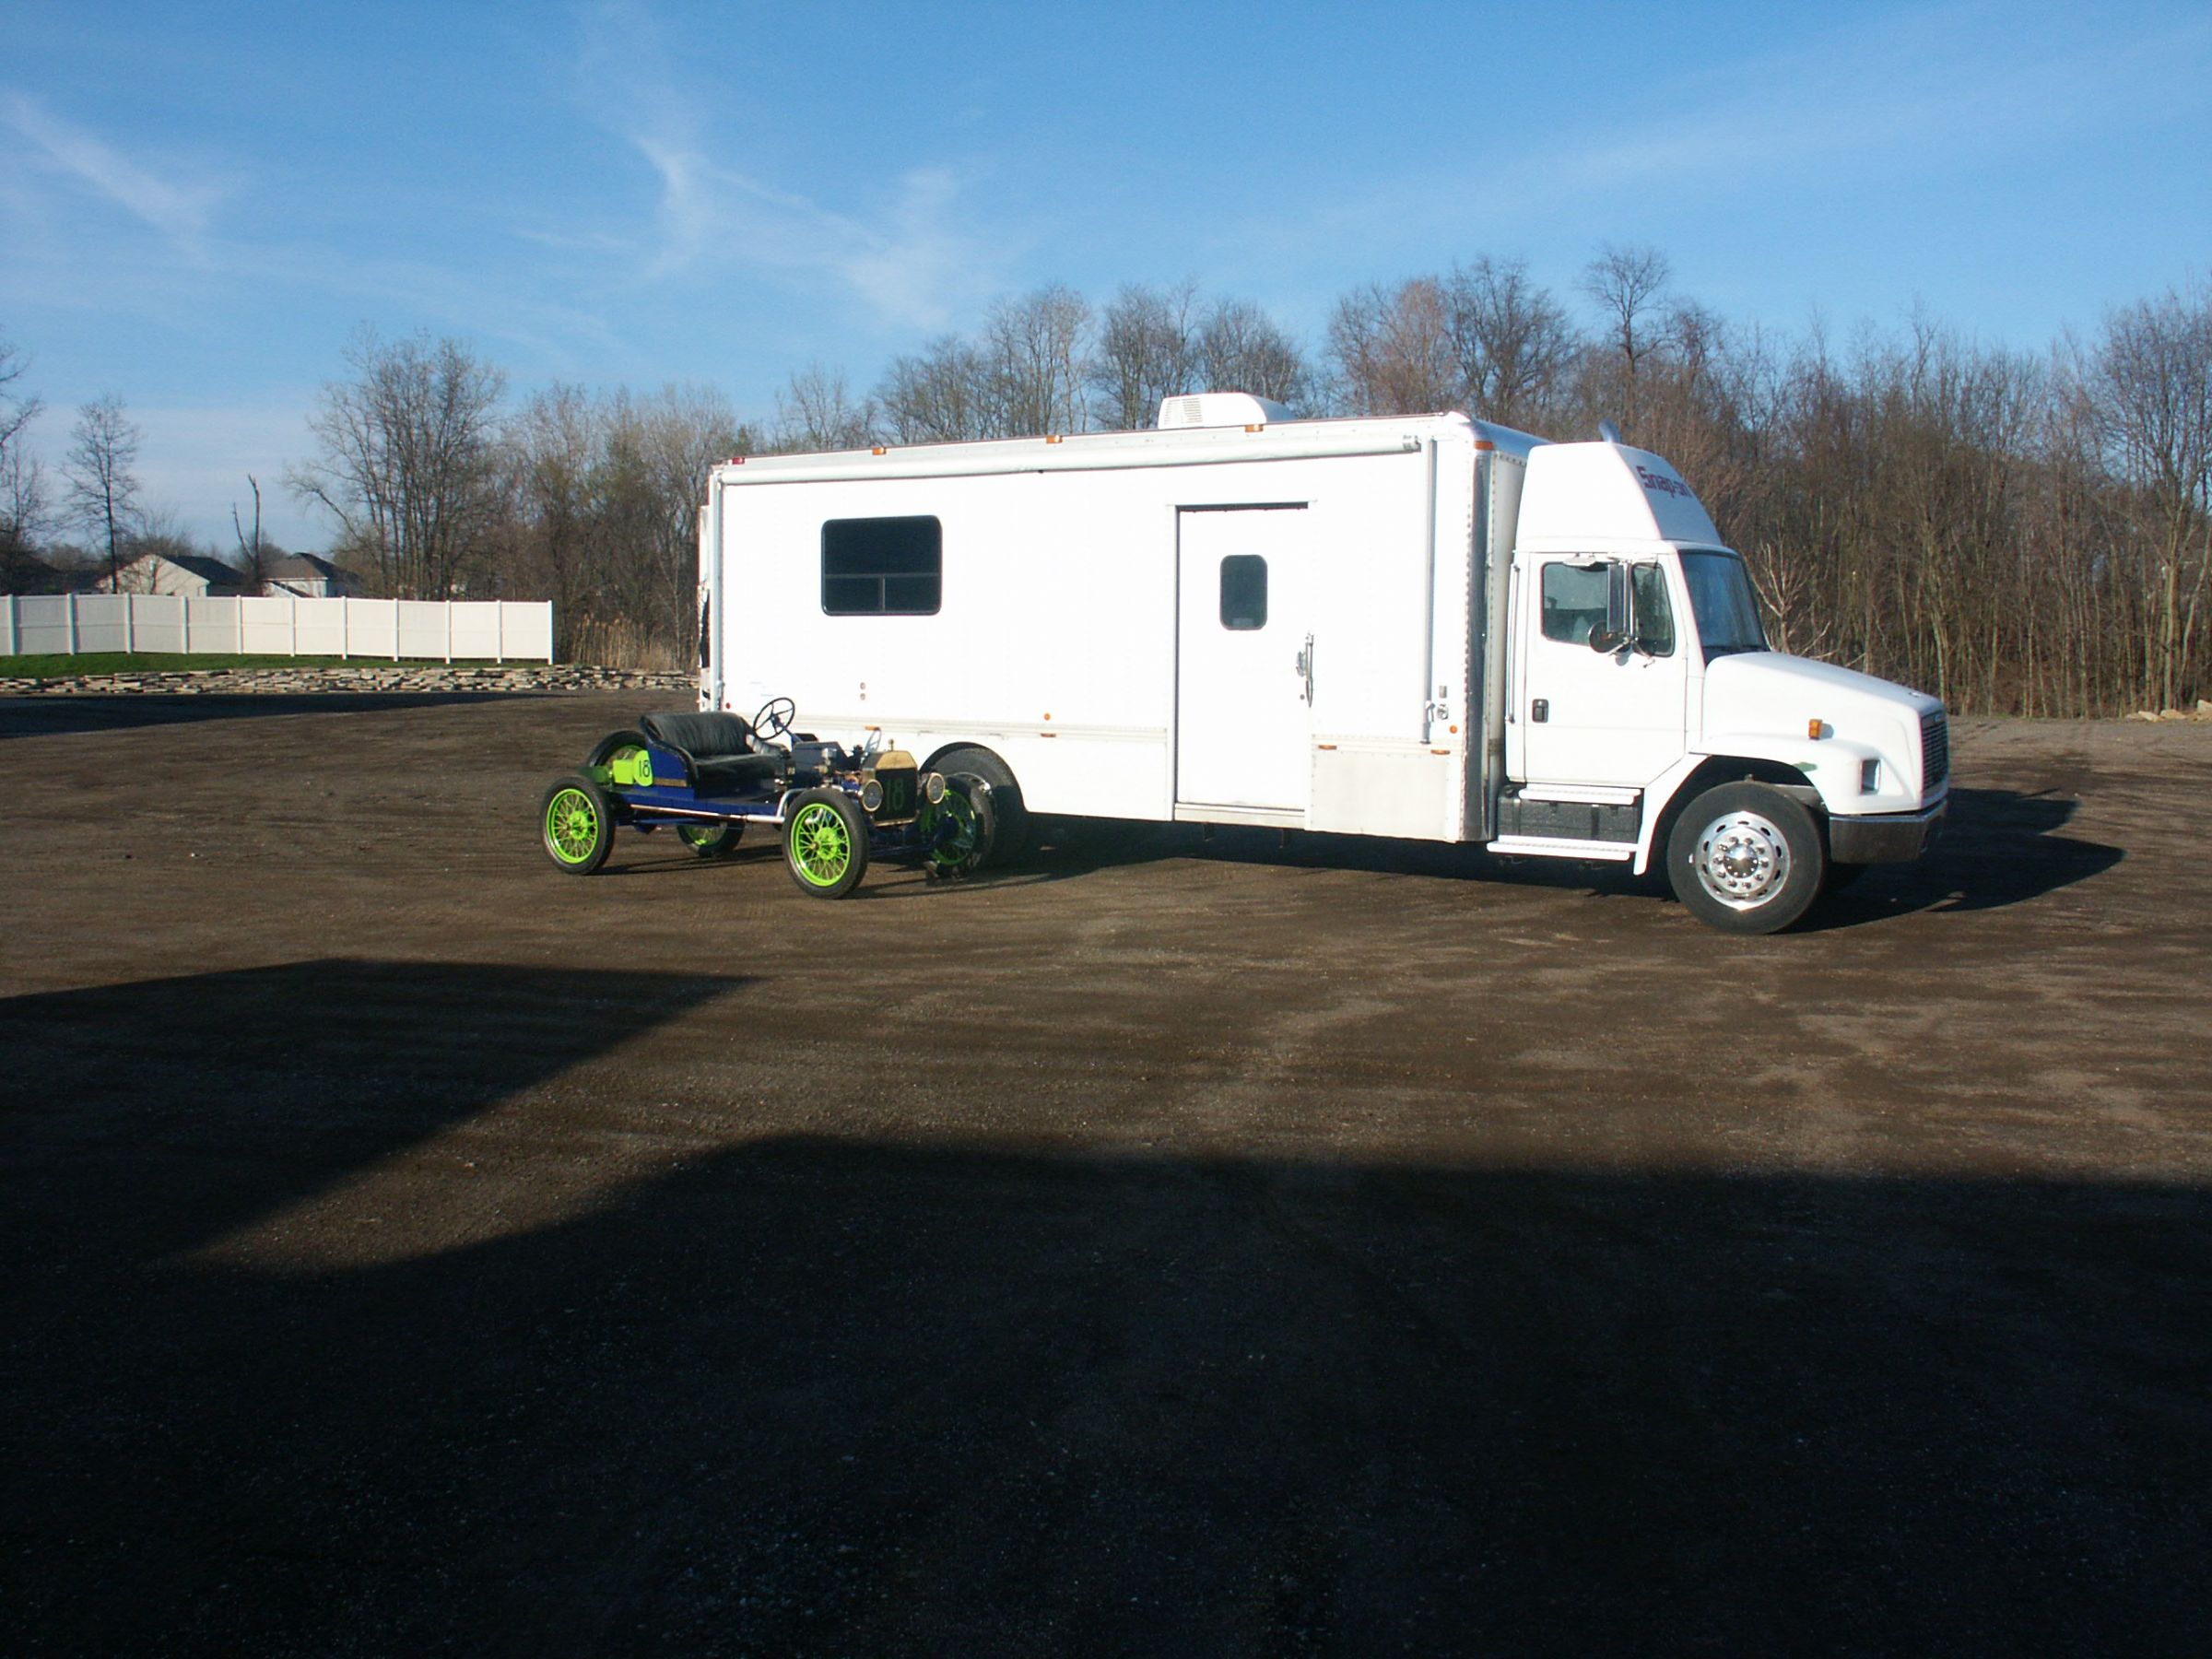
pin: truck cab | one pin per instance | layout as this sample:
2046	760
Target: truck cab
1648	715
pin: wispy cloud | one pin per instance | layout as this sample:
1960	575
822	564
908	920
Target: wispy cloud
75	262
182	210
914	257
911	266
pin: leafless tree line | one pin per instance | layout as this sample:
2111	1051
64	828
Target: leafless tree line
2015	532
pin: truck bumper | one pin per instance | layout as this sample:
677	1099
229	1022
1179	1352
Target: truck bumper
1897	838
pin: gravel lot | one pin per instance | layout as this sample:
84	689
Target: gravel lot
1165	1247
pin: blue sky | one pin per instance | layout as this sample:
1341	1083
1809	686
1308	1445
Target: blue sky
199	202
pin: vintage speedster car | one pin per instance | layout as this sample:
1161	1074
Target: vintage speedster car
705	776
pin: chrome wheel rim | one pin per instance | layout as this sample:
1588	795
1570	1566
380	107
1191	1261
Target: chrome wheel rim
1742	860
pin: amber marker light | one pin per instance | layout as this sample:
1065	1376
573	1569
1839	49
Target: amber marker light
1814	729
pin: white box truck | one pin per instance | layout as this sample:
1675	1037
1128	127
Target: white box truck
1425	627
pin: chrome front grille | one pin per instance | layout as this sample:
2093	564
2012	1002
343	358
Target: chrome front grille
1935	752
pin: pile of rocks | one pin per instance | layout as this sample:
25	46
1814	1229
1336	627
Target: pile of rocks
357	678
2202	712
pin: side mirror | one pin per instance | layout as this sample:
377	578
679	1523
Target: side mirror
1615	634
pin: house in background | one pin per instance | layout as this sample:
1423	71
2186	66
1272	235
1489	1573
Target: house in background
309	578
196	575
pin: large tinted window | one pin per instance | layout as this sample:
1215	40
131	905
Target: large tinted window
883	567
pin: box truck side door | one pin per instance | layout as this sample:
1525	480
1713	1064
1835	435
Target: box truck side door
1592	711
1244	658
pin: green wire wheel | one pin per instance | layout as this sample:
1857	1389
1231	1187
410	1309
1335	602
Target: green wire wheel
958	829
825	843
577	824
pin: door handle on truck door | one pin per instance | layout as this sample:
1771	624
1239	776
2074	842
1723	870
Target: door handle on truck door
1540	711
1304	668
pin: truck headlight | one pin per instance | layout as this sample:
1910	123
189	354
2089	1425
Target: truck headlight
1870	777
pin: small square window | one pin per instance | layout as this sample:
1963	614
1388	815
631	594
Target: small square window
1243	592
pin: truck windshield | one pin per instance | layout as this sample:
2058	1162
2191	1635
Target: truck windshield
1720	596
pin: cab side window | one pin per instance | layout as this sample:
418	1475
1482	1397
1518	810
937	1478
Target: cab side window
1574	601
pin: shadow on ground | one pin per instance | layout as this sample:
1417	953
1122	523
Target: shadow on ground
1999	848
805	1395
36	717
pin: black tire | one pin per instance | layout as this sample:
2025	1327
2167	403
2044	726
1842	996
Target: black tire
575	824
1745	858
1010	819
717	840
613	741
826	842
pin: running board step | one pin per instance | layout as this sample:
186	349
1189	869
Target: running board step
1545	846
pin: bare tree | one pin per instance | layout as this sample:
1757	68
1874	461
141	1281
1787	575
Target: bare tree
2150	386
1038	348
555	450
667	445
16	411
1511	342
1392	350
102	489
944	395
1628	285
815	411
253	551
23	506
409	466
1241	350
1146	352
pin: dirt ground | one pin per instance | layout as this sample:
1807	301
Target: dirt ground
1165	1247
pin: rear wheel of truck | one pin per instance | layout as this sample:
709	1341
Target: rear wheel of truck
998	800
1745	858
825	843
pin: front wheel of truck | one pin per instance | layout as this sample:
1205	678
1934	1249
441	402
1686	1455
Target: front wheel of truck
1745	858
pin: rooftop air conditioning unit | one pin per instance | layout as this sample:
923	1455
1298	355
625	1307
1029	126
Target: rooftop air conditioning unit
1221	409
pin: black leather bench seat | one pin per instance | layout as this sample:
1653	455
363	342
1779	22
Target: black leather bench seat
718	745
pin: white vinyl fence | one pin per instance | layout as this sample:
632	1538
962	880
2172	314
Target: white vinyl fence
445	630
